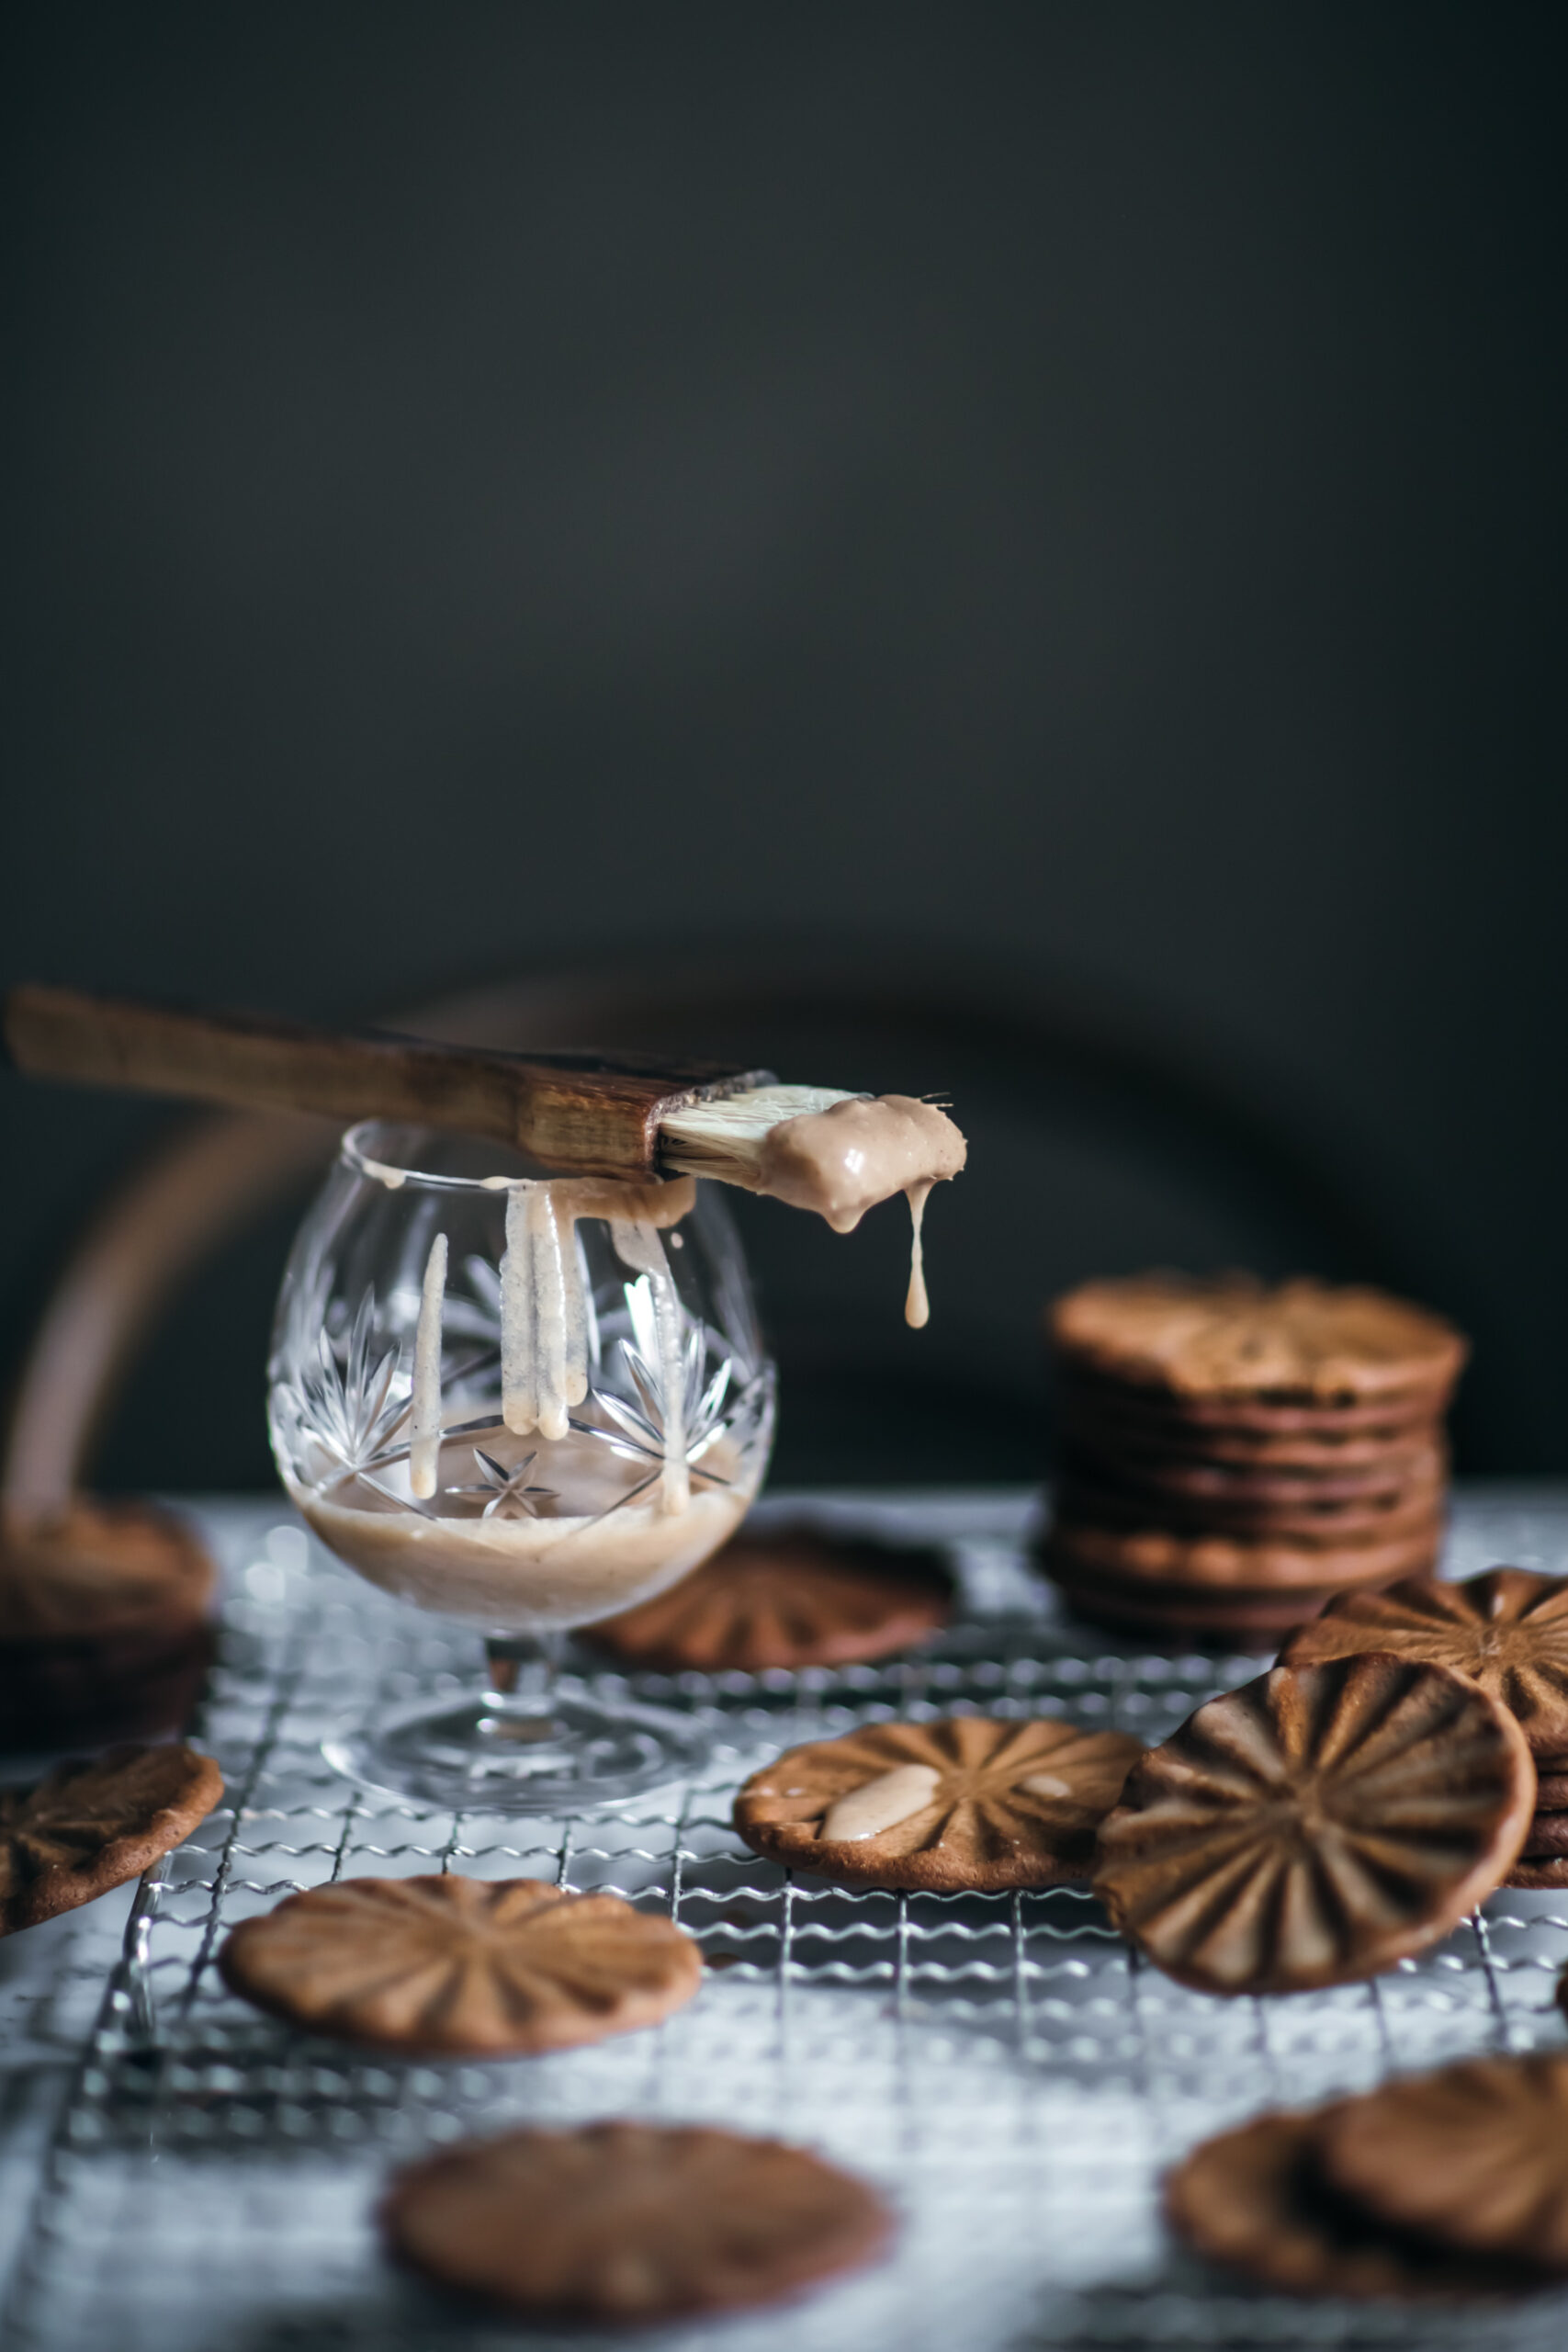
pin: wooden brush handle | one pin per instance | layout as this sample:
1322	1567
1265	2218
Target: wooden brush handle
586	1115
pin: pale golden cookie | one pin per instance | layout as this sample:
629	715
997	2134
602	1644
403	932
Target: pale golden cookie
453	1966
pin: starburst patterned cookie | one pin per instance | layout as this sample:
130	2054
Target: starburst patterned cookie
631	2221
1316	1825
454	1965
1507	1630
941	1806
1475	2155
786	1600
89	1827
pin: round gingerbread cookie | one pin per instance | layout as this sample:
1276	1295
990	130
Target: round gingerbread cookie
460	1967
787	1598
1331	1441
943	1807
1507	1630
1195	1477
1255	2199
1474	2155
1316	1825
87	1826
631	2221
1233	1336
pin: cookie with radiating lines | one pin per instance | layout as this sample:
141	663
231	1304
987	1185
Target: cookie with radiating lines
631	2223
790	1599
88	1826
1255	2198
1507	1630
453	1966
940	1806
1474	2155
1316	1825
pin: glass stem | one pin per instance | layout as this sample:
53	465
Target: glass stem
507	1689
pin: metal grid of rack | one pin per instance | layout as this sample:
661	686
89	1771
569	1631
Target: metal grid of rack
1002	2065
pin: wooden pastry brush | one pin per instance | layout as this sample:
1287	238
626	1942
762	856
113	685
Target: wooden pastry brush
630	1117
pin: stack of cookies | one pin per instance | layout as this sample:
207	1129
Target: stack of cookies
1236	1455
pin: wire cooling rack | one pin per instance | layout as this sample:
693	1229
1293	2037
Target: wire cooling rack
1001	2064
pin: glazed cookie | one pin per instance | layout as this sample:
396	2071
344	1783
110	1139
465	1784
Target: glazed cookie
943	1807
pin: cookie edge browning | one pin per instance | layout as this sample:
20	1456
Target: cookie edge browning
911	1873
856	2250
1301	2131
232	1955
1464	1894
119	1858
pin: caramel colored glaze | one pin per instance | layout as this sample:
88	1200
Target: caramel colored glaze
842	1161
1013	1804
458	1966
1472	2155
1507	1630
1316	1825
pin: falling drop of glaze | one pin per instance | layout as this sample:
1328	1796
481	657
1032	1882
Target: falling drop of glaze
424	1400
916	1305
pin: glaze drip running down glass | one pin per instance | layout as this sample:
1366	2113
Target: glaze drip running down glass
522	1403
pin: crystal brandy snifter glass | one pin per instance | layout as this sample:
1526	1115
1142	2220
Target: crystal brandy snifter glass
521	1404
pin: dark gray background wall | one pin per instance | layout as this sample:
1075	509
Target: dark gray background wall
1082	486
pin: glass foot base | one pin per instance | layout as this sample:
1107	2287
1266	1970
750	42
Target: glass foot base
557	1756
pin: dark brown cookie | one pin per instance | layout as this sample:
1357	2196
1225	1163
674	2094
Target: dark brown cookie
1546	1838
1209	1421
1316	1825
631	2221
1550	1789
944	1805
89	1827
1230	1563
1473	2157
1105	1501
1233	1336
451	1966
103	1623
1507	1630
796	1598
1255	2198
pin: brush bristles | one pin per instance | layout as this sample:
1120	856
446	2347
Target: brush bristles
725	1140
